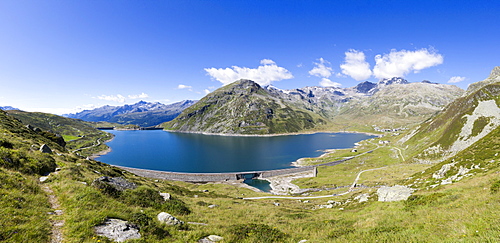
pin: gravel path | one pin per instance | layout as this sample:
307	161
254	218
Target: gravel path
56	236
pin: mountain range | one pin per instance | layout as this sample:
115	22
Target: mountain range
248	108
142	113
7	108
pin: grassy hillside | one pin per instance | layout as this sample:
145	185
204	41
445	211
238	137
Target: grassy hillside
462	123
455	200
466	208
78	135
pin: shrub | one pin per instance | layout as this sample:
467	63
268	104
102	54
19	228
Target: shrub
495	187
260	233
176	206
6	144
202	203
421	200
142	196
148	226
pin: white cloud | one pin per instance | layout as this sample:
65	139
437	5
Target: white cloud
116	98
182	86
267	62
140	96
265	74
206	91
321	70
400	63
328	83
355	65
456	79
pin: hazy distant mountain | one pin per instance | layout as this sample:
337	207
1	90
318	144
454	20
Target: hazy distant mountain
7	108
141	113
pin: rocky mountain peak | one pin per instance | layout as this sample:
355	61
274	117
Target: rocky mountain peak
365	87
243	86
394	80
495	72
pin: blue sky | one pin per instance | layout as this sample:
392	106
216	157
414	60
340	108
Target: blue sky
61	56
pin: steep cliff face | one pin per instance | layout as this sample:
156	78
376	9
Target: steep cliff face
244	107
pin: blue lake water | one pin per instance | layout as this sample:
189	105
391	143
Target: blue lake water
197	153
262	185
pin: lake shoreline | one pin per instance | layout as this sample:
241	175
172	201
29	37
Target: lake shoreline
103	152
325	150
268	135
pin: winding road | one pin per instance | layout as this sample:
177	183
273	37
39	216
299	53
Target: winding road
351	188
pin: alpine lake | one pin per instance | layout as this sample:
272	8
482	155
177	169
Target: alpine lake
199	153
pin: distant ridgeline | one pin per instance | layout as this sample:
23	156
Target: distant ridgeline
244	107
144	114
7	108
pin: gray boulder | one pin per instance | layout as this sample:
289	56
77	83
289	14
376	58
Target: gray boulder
168	219
395	193
45	149
166	196
118	183
211	239
118	230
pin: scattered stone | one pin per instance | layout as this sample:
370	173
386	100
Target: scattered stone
211	239
118	183
168	219
58	212
276	204
213	206
118	230
157	180
205	240
43	178
205	191
362	197
83	182
195	196
306	201
441	172
326	206
215	238
58	169
45	149
166	196
395	193
334	203
303	241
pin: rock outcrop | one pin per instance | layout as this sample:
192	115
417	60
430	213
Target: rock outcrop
117	183
394	193
118	230
168	219
45	149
